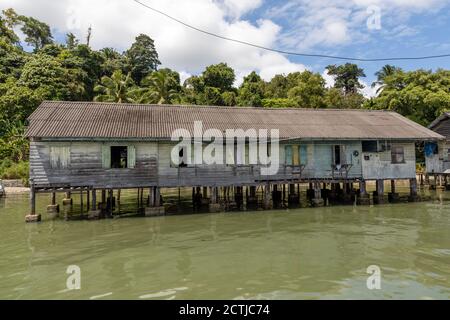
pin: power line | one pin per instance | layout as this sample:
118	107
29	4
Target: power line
283	51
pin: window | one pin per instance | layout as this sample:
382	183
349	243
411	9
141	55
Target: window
59	157
338	155
119	157
398	154
369	146
448	152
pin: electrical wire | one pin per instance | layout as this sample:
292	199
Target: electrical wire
287	52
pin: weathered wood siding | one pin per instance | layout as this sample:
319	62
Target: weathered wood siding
86	168
440	162
380	166
152	166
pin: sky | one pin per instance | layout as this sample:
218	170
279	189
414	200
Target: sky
352	28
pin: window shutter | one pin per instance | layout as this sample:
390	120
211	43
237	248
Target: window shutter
296	155
131	156
303	150
333	155
288	155
247	154
106	157
65	157
343	155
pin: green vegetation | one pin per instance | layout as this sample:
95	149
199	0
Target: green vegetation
73	71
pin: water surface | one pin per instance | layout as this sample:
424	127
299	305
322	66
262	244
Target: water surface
307	253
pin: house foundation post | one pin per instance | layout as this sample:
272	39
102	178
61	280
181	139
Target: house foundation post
53	208
413	196
317	201
94	213
363	198
214	205
378	195
67	201
32	217
293	197
155	207
267	197
393	196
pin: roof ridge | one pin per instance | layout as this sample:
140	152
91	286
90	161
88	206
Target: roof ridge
216	106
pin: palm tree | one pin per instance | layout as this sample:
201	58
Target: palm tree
386	71
116	88
159	88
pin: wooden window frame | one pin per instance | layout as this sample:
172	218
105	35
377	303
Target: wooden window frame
395	153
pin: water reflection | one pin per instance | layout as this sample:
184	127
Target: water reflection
299	254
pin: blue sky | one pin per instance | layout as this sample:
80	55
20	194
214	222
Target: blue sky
334	27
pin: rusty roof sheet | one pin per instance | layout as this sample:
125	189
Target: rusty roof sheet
53	119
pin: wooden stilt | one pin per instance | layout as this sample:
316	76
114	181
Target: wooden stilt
32	217
81	201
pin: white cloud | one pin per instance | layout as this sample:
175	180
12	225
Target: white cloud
329	80
115	23
368	91
237	8
328	23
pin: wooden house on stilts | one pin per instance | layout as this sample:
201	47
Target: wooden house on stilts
97	148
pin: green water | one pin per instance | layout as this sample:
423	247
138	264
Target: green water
308	253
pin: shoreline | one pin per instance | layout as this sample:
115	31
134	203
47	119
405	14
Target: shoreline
16	190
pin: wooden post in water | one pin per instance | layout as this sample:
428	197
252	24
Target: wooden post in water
379	193
103	198
157	197
53	208
32	217
151	197
267	197
94	199
111	200
363	198
413	190
81	201
88	200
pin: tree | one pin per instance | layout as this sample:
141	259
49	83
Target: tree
309	90
161	87
277	87
111	61
71	41
7	24
87	63
213	87
420	95
346	77
117	88
37	33
382	74
142	58
337	99
219	76
12	59
251	92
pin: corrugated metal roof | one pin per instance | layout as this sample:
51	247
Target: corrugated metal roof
54	119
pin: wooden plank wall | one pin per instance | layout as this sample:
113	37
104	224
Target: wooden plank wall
153	167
